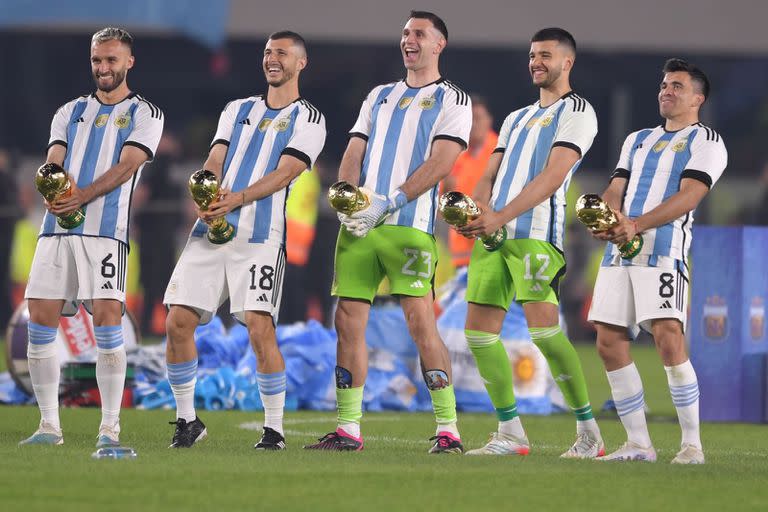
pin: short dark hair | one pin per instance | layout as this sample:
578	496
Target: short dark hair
697	75
437	22
560	35
113	34
289	34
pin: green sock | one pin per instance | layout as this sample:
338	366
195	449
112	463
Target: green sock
493	363
444	405
349	402
566	368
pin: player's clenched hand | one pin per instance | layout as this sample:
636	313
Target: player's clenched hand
76	198
360	223
486	223
226	202
622	232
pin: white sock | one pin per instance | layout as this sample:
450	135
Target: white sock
110	377
684	387
45	382
185	400
182	378
629	399
513	427
628	396
451	428
274	405
352	429
589	425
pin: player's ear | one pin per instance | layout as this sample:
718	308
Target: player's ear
131	60
441	43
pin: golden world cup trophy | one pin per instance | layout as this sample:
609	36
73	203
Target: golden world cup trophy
595	213
204	187
346	198
458	209
52	181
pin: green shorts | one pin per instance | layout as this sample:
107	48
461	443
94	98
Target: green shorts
524	270
407	256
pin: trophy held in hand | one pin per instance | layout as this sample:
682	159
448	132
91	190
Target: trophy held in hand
458	209
52	181
595	213
204	187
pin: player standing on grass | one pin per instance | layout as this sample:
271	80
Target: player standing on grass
540	147
662	175
406	139
261	145
103	140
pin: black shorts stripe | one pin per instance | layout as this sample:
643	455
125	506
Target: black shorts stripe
279	271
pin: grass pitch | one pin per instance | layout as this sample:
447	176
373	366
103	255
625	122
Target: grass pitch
394	471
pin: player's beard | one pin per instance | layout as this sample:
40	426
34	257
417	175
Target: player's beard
287	75
117	80
552	77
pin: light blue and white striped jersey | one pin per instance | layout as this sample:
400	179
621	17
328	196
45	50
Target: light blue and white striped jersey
400	124
526	139
94	135
654	161
257	136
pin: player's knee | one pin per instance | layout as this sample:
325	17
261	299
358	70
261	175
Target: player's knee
607	349
178	327
348	326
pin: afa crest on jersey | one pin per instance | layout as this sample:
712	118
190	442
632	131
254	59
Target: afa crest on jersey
282	124
427	103
123	121
757	319
716	318
680	145
101	120
547	120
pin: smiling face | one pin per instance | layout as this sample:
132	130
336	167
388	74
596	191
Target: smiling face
678	95
283	60
110	62
420	44
547	60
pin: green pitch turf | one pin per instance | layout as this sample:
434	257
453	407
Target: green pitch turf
394	472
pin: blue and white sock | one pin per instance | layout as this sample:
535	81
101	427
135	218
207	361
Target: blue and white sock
272	393
629	399
182	377
110	372
684	387
44	371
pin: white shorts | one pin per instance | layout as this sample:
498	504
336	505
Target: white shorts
250	275
636	295
78	269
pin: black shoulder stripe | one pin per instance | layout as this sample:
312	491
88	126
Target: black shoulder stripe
462	98
314	114
154	111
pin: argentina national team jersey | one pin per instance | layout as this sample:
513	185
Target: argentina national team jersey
94	135
400	123
526	139
654	161
256	137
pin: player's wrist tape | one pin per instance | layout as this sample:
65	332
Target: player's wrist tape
397	200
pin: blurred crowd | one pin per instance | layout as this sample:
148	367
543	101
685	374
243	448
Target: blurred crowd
162	215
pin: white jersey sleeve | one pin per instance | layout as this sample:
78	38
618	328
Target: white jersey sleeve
308	136
226	124
506	130
363	125
708	157
456	119
622	169
578	127
59	124
147	128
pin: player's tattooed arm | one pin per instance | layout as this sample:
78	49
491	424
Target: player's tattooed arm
352	161
131	158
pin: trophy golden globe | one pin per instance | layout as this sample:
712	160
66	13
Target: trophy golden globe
458	209
346	198
52	181
595	213
204	187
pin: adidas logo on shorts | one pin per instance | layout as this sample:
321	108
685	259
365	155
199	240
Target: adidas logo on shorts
107	286
263	298
417	284
666	305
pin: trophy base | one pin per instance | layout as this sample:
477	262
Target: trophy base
71	220
221	237
494	241
632	248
